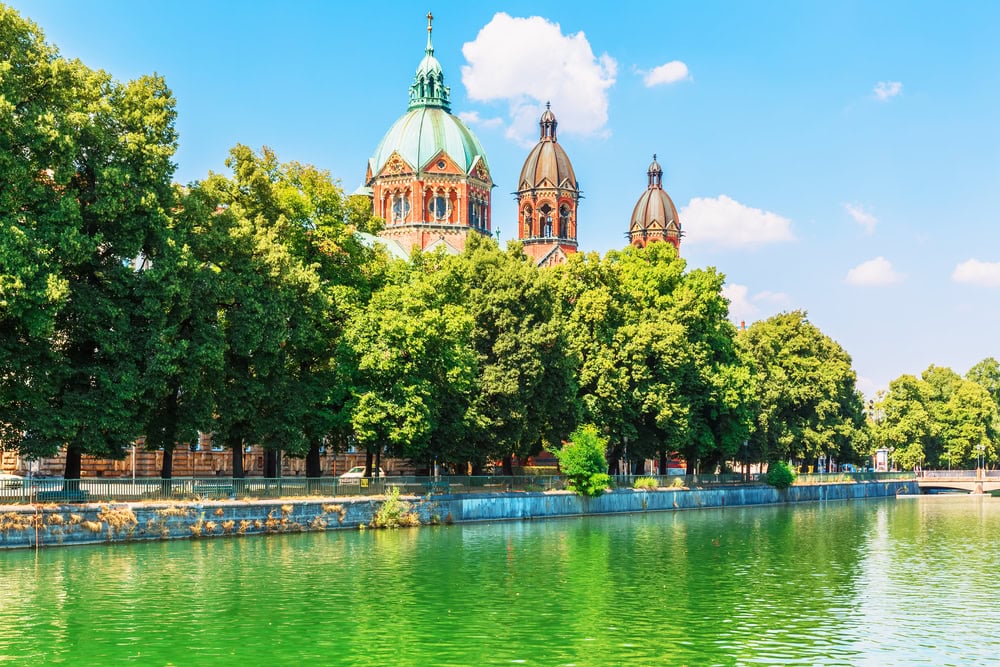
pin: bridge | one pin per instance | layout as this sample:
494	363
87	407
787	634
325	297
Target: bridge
974	481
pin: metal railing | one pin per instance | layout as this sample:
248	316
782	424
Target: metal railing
834	477
55	490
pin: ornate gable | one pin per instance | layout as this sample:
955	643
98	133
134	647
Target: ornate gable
396	166
442	164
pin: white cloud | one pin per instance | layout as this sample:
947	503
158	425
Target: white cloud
472	118
527	62
876	271
725	222
867	386
670	72
741	308
773	298
746	308
885	89
862	217
974	272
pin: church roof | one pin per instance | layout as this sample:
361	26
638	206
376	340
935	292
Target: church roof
547	165
655	210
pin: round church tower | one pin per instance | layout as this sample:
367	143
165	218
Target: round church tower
654	217
429	177
547	197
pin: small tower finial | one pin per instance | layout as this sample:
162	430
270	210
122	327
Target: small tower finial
548	105
654	157
430	17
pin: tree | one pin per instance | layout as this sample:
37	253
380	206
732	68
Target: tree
413	370
659	370
86	166
289	272
583	463
906	426
524	397
986	374
182	363
807	404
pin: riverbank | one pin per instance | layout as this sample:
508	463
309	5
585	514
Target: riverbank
62	525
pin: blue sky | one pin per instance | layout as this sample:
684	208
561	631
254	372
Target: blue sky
839	157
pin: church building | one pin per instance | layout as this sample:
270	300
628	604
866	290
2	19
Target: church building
430	181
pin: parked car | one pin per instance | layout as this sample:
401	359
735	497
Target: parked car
8	481
357	472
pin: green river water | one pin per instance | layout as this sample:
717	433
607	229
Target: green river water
913	581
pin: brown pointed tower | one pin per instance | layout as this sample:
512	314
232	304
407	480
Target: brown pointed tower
547	197
654	217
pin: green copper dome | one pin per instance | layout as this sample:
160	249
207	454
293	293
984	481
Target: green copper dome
422	133
428	127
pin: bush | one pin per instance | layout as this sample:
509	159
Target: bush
582	462
394	512
646	483
779	475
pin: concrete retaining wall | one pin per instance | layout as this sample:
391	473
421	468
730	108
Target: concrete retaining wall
43	526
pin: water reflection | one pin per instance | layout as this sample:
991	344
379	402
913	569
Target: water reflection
895	582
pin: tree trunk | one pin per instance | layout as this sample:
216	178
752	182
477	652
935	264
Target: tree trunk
314	468
74	461
167	469
272	463
663	462
508	465
477	469
238	472
378	463
368	463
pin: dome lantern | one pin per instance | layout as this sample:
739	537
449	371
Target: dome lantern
428	89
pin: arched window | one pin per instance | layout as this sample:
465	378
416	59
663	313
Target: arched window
438	206
546	220
400	207
563	221
527	222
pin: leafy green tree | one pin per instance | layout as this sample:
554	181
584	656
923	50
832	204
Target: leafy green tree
807	403
583	463
659	369
290	271
524	397
905	425
969	425
86	167
986	374
182	364
414	369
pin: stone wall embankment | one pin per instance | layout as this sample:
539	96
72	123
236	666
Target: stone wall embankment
61	525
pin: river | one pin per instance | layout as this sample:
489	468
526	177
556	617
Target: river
909	581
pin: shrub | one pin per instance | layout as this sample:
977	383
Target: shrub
646	483
779	475
394	512
582	462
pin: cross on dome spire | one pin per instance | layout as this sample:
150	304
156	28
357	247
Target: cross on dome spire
430	28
